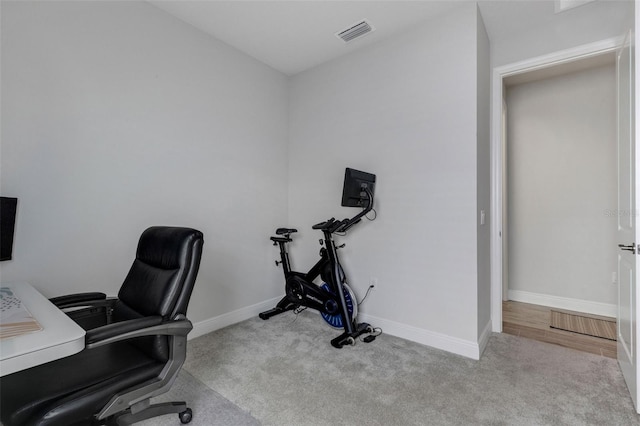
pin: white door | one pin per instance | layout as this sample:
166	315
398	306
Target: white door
627	230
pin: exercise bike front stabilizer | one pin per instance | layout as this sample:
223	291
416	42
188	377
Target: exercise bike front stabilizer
334	299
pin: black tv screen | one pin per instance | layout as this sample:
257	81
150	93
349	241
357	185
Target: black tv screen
353	191
8	207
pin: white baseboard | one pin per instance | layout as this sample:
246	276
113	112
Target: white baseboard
216	323
586	306
447	343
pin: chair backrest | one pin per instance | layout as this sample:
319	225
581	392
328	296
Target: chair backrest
161	279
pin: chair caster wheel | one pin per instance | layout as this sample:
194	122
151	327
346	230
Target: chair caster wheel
186	416
350	341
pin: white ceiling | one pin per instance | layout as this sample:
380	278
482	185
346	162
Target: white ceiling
295	35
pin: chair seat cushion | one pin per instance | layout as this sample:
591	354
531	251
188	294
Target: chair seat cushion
74	387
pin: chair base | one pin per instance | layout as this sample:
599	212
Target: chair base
150	411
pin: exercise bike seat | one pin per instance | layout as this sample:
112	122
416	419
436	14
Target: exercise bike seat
285	231
285	239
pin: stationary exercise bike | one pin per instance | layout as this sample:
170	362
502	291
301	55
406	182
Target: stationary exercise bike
334	299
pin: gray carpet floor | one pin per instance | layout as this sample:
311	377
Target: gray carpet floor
284	372
208	406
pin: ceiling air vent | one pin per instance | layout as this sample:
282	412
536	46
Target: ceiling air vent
355	31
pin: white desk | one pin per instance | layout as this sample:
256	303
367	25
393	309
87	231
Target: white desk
60	336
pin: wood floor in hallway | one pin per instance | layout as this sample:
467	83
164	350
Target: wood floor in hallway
532	321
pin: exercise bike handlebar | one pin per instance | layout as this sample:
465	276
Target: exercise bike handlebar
326	225
332	225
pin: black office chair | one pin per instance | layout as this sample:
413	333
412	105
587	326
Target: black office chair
134	356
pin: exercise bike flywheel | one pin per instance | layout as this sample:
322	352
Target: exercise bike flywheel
335	320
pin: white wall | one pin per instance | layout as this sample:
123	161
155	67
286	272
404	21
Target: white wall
117	116
404	109
561	137
588	23
483	125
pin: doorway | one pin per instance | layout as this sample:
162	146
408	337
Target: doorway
560	178
550	66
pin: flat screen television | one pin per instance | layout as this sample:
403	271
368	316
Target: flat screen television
355	183
8	207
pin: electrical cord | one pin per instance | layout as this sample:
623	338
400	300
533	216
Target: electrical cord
365	295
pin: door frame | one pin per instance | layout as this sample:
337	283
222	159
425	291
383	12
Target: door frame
497	162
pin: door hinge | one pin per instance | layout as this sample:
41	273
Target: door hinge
631	247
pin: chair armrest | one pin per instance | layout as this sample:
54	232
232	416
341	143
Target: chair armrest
146	326
78	299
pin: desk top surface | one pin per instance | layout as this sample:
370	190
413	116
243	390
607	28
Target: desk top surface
59	336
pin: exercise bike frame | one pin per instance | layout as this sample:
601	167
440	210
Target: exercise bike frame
328	263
